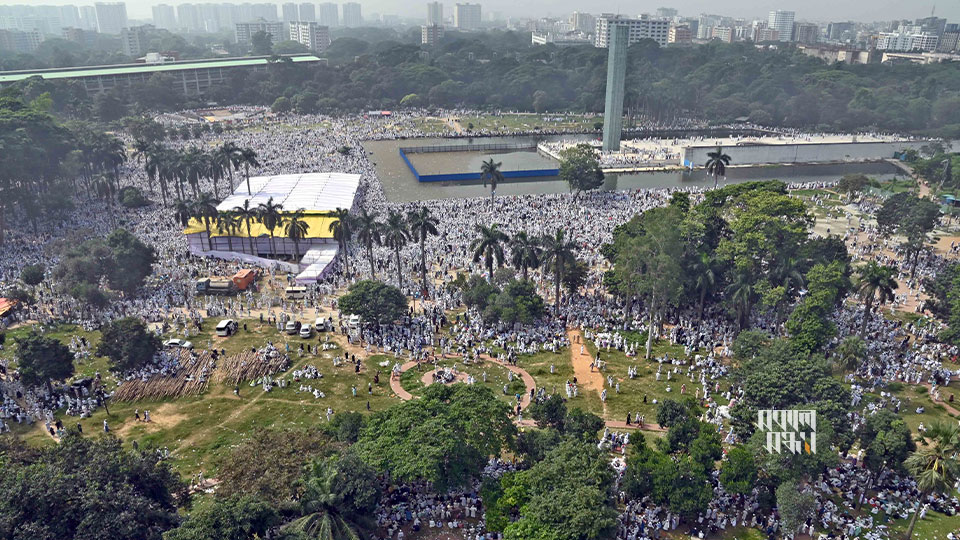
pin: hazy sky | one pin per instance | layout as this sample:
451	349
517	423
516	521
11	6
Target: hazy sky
822	10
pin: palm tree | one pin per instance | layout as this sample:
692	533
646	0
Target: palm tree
489	247
205	209
271	215
152	164
717	165
326	515
934	466
140	149
876	283
525	252
422	224
368	233
558	253
248	214
183	212
490	171
105	190
740	293
213	170
228	223
342	230
705	281
228	156
296	230
248	157
395	237
851	351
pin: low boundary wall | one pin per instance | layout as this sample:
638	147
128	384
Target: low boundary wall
462	177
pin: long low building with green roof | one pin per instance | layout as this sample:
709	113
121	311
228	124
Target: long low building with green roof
192	77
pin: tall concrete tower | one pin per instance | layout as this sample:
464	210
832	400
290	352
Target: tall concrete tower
616	80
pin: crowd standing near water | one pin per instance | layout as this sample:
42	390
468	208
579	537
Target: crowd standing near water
312	143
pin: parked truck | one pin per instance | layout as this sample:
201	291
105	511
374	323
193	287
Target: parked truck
244	278
216	286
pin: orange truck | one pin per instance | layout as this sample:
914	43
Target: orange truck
243	278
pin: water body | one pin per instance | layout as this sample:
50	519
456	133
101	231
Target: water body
399	184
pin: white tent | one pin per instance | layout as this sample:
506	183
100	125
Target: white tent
313	192
316	260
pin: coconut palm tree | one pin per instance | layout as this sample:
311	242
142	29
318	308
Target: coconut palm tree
183	212
368	233
490	172
395	236
875	284
296	230
248	214
525	252
228	156
740	294
342	229
326	515
104	189
422	224
140	149
228	223
271	215
489	247
717	165
247	157
851	351
213	170
205	209
558	253
934	465
705	281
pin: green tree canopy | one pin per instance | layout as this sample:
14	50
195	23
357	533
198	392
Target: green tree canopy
374	302
128	344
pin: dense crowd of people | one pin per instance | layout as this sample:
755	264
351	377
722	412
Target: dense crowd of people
315	143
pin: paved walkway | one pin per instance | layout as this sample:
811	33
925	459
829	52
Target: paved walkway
528	381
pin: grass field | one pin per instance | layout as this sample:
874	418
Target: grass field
526	122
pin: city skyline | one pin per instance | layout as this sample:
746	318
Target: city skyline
816	10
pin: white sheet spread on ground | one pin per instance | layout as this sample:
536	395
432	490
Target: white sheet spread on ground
313	192
316	260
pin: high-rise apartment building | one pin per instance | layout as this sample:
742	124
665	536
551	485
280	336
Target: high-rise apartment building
164	17
131	41
904	41
329	14
311	35
467	16
18	41
679	33
434	14
189	18
837	31
289	12
69	17
308	13
244	31
352	17
111	17
806	33
705	25
642	28
583	22
782	22
722	33
430	34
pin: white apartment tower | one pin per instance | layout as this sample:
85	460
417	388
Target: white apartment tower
352	15
111	17
311	35
434	14
467	16
782	22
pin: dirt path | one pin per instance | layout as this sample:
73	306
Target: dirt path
528	381
587	379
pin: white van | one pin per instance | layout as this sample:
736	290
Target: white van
353	323
226	328
296	293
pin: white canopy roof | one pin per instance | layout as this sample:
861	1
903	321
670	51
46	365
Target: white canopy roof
317	259
313	192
